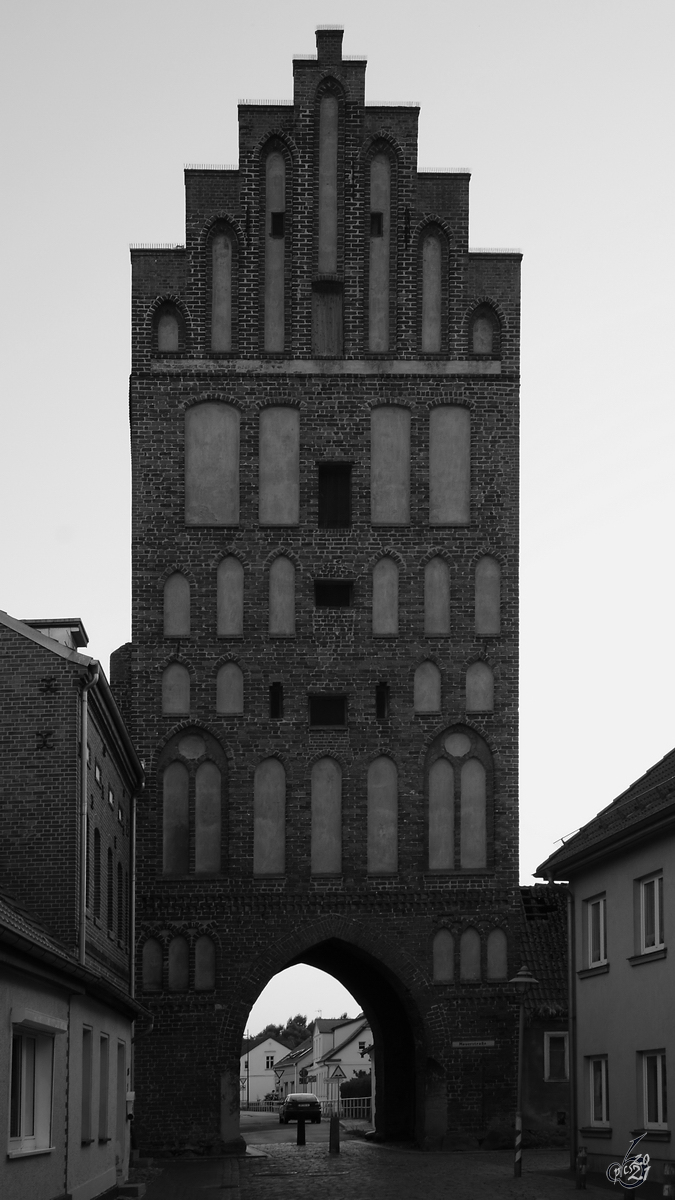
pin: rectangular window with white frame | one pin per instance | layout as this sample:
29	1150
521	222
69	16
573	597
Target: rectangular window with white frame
31	1092
556	1057
599	1096
269	1062
651	914
654	1089
596	933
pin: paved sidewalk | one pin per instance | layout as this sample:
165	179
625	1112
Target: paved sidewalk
364	1171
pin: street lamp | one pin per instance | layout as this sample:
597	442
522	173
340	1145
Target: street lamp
522	980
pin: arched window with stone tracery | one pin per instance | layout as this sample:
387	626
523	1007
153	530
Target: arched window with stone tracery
459	788
193	773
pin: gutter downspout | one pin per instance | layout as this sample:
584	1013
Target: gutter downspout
572	1002
87	683
132	899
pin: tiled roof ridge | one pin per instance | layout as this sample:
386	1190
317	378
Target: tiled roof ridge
251	1043
628	809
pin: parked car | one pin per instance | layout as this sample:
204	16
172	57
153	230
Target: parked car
300	1104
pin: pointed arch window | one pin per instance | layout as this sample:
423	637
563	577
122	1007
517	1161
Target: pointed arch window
382	817
97	873
432	269
221	256
436	598
385	598
282	598
449	465
208	818
110	893
120	902
326	832
275	235
212	464
380	227
279	467
441	816
390	465
269	818
193	771
459	787
230	598
168	329
176	606
484	333
488	597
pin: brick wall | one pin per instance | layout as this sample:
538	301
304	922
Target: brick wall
374	932
40	694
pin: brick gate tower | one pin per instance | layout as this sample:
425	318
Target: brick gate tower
322	680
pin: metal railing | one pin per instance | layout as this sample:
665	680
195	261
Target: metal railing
352	1108
355	1108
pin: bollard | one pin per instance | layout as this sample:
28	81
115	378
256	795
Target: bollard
582	1162
518	1149
668	1177
334	1135
301	1132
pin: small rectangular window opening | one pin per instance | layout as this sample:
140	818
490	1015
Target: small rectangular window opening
332	593
335	485
276	700
377	224
328	710
381	701
111	798
277	224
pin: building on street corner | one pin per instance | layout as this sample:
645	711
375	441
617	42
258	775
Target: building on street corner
69	778
621	872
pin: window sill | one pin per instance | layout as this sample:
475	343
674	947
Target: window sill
636	960
104	1141
588	972
652	1135
596	1131
87	1142
30	1153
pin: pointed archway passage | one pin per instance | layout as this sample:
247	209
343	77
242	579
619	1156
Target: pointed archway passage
392	1019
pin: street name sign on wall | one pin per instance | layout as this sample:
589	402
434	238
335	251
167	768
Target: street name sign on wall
475	1045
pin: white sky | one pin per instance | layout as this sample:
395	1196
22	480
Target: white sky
563	111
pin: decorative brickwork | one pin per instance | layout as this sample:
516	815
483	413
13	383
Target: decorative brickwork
375	933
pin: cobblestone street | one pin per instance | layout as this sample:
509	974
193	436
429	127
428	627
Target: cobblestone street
364	1171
